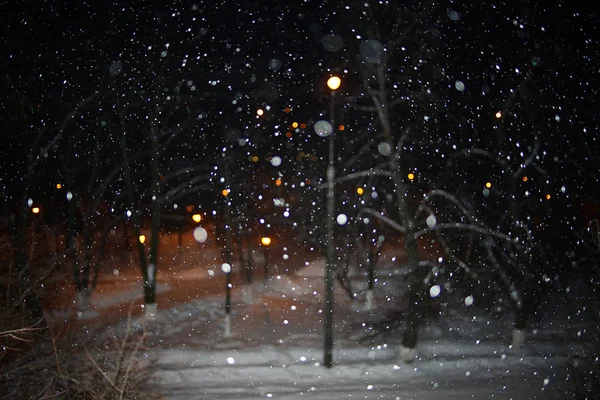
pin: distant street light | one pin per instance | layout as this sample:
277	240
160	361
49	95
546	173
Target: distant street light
35	210
197	218
333	83
266	241
142	239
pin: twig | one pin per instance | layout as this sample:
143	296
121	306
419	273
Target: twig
100	370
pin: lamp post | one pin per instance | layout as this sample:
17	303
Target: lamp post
266	241
333	83
227	266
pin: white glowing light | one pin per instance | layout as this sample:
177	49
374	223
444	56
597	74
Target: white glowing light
200	234
431	221
435	291
468	301
230	360
226	268
276	161
342	219
323	128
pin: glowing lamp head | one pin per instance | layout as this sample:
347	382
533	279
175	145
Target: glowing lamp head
197	217
334	83
265	241
142	239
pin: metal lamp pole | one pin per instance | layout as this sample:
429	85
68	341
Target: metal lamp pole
333	83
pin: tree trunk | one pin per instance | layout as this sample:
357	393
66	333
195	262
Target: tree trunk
416	298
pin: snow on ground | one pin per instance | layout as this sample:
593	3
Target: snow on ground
275	350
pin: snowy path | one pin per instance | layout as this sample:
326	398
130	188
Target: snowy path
294	373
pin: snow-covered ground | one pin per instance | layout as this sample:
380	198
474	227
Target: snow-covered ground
275	349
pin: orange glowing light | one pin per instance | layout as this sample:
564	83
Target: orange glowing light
58	186
254	158
260	112
294	124
265	241
360	190
303	125
189	208
525	179
197	217
411	176
35	210
548	197
225	192
341	127
287	110
142	238
278	182
488	185
334	83
499	115
288	135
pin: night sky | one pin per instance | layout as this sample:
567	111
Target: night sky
535	63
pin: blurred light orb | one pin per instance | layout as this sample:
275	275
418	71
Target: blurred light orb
384	148
29	202
265	241
69	196
342	219
142	239
435	291
276	161
460	86
332	42
260	112
371	51
225	267
453	15
323	128
275	64
468	301
431	221
115	68
230	360
35	210
200	234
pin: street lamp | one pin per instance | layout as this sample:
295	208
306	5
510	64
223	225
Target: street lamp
266	241
333	83
228	260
